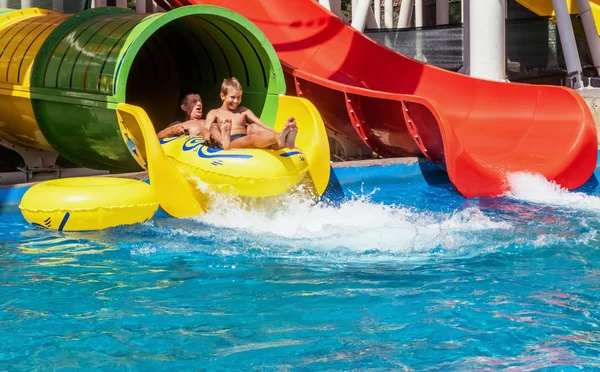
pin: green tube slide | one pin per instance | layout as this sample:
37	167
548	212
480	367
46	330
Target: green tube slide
101	57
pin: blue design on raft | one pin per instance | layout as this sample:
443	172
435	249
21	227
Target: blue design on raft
207	152
290	153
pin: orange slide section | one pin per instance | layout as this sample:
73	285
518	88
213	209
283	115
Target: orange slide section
478	130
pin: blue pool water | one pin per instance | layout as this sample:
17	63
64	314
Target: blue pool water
400	277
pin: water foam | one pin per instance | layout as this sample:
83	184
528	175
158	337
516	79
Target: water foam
358	225
534	188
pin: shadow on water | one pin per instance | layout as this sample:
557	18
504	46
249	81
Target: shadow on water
434	175
590	186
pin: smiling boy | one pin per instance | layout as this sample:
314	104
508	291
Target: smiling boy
245	129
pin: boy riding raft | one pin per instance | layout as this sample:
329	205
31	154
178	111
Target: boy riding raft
231	126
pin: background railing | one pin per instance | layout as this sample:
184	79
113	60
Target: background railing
75	6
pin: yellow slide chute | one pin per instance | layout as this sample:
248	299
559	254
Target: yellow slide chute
174	194
312	137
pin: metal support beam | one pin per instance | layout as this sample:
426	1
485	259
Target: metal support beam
371	20
336	8
466	22
359	17
33	158
98	3
442	12
388	17
406	10
144	6
10	4
487	39
418	13
567	39
419	55
58	5
326	4
591	32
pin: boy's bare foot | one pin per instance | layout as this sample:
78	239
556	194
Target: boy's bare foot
290	141
281	140
226	133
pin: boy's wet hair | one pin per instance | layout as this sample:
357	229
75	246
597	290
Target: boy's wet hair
230	84
184	97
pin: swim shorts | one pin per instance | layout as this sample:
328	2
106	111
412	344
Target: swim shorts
236	136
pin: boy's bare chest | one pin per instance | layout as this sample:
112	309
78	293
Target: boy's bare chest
235	117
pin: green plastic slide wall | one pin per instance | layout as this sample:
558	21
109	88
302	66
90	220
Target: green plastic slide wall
89	62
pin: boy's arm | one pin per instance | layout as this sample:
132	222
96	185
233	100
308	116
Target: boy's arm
211	119
255	120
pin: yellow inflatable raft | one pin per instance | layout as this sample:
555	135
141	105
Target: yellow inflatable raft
88	203
177	166
244	172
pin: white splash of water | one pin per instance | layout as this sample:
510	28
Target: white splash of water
357	225
534	188
545	240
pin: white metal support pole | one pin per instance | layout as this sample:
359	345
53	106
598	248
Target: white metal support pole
354	6
567	39
388	17
336	8
406	10
26	4
359	18
487	39
58	5
10	4
466	23
377	11
419	56
418	13
122	3
144	6
591	32
326	4
552	49
371	20
442	12
98	3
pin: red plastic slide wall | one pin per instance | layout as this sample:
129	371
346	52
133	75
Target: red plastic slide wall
478	130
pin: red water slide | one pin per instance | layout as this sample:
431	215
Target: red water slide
478	130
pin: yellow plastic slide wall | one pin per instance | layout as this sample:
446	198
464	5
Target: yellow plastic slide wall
544	8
